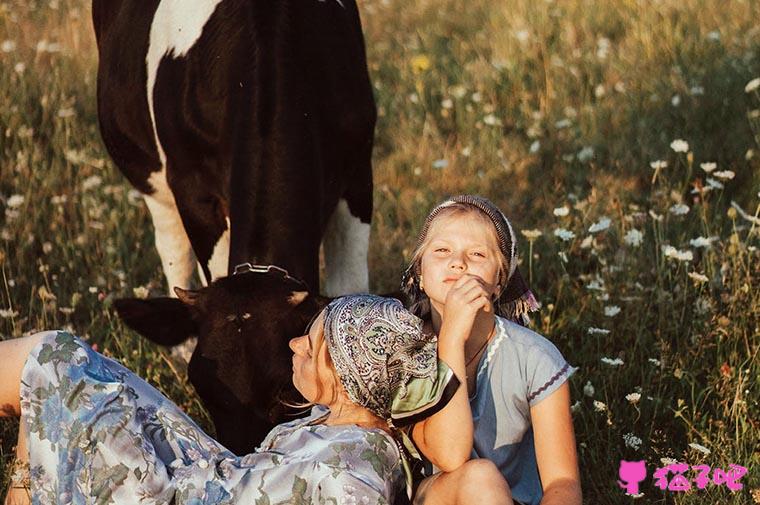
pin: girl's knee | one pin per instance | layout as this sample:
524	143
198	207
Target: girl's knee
481	478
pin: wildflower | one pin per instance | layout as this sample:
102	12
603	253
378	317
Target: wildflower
562	211
535	146
611	310
91	182
420	63
712	183
668	461
702	241
671	252
596	285
725	174
14	201
752	85
19	67
600	225
588	389
679	146
632	441
65	112
531	234
562	123
612	362
697	90
633	398
8	313
447	103
679	209
141	292
587	242
586	154
708	166
8	46
476	97
658	164
492	120
633	237
655	362
713	35
599	406
700	448
92	289
575	407
442	163
698	278
598	331
564	234
522	35
600	91
676	100
414	98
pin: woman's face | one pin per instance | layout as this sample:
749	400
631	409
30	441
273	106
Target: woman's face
457	245
312	374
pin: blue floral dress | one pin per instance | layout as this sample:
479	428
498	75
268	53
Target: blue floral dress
99	434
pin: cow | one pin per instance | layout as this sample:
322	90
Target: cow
241	367
248	127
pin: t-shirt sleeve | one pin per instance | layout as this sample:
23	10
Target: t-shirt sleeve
546	370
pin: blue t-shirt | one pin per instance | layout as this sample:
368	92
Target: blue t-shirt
518	369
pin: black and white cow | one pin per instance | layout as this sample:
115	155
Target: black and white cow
248	126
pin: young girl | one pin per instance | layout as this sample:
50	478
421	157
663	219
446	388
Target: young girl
95	432
464	282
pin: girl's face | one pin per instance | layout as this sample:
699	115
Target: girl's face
311	371
457	245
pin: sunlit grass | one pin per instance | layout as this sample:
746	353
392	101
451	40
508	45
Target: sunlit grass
540	106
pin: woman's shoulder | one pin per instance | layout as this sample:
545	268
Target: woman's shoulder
522	338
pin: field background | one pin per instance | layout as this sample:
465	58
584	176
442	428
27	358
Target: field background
539	105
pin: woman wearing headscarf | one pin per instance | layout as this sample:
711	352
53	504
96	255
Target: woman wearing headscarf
92	431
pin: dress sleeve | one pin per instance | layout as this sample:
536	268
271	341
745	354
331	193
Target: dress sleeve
338	488
546	371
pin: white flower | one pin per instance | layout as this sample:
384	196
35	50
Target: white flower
702	241
91	182
698	278
467	151
562	211
612	362
14	201
679	209
65	112
562	123
633	397
522	35
599	406
141	292
708	166
633	237
587	242
531	234
712	183
725	174
19	67
632	441
752	85
586	154
596	285
575	407
655	362
588	389
8	313
658	164
679	146
676	100
476	97
447	103
700	448
714	36
671	252
564	234
668	461
535	146
7	46
442	163
492	120
611	310
598	331
600	225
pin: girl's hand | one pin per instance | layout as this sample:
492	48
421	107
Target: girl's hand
467	296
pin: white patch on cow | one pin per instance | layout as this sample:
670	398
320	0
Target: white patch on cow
174	248
345	246
219	260
177	26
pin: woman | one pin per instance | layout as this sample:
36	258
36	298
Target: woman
464	282
93	431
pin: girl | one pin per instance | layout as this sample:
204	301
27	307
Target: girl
94	431
464	282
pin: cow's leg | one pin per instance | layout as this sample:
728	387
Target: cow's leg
345	246
172	242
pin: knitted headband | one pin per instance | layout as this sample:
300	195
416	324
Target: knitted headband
515	300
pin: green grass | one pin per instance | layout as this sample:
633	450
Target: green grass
535	104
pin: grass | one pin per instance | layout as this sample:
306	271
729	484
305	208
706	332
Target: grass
537	105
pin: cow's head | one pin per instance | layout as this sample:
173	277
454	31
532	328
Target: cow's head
241	366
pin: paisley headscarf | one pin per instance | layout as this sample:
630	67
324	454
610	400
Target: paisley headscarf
383	359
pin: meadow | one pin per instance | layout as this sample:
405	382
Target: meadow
621	137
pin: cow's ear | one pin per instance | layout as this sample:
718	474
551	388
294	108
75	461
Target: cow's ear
296	297
187	296
165	321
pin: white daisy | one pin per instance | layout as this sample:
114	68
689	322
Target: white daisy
680	146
